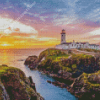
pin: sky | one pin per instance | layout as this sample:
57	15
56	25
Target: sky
38	23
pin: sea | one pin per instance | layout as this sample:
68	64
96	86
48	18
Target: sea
16	58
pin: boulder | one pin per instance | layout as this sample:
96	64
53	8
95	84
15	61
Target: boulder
32	62
49	81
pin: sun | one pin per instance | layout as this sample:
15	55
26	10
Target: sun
4	44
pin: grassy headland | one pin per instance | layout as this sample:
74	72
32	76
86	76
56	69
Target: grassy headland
79	71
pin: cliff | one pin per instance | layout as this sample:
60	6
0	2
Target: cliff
86	86
14	85
56	60
79	73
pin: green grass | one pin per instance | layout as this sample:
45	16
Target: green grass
11	70
81	56
74	66
52	52
90	50
58	57
3	70
90	84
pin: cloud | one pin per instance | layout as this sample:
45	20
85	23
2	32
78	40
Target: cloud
64	20
61	9
17	30
33	14
42	18
95	32
8	7
29	5
9	25
43	29
66	14
23	28
71	3
94	15
47	39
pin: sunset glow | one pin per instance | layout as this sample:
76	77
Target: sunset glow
33	24
4	44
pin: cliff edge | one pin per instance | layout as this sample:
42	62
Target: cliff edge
14	85
78	73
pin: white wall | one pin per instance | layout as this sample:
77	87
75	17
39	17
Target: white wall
62	46
74	45
63	38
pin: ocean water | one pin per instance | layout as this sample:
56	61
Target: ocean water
16	58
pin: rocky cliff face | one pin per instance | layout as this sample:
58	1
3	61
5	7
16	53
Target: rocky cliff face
14	85
79	73
86	86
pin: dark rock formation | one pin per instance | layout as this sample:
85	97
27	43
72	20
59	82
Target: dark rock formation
32	62
14	85
86	86
77	73
57	83
49	81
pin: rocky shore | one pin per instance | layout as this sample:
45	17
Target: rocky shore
14	85
79	74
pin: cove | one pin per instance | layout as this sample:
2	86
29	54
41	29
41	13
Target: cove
49	91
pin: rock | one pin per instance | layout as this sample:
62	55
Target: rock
32	84
14	85
86	86
3	94
4	65
71	70
30	78
57	83
60	72
32	62
21	60
49	81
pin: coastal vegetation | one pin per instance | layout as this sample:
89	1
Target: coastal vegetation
87	86
79	73
56	60
54	54
89	50
14	85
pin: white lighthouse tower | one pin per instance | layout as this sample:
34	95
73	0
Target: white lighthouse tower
63	36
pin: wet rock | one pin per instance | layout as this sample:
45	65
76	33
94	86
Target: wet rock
49	81
57	83
32	84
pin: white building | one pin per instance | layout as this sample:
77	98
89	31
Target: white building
73	45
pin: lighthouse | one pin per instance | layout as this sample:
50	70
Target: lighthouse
74	45
63	36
